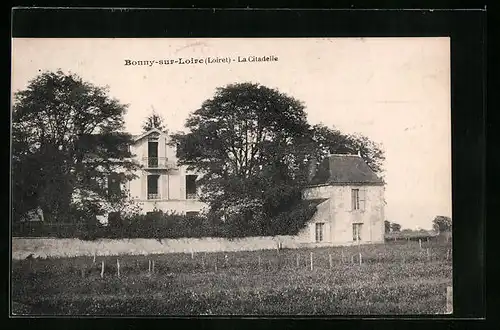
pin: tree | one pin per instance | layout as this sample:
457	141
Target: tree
387	225
67	138
251	143
442	224
395	227
154	120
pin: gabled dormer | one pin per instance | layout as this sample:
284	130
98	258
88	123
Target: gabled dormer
153	151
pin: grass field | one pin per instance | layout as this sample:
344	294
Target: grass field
392	278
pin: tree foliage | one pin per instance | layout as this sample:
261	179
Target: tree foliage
154	120
395	227
387	226
66	139
442	223
254	147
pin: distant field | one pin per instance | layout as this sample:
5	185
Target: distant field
393	278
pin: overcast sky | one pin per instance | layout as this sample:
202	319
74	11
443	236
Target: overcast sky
396	91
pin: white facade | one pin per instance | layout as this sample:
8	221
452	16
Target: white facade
162	184
350	214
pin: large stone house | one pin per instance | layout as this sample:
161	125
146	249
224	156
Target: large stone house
162	184
351	203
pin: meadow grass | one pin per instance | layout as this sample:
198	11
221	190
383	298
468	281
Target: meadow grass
393	278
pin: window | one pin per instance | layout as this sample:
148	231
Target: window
114	184
153	153
355	199
192	214
153	187
358	199
356	232
320	231
191	186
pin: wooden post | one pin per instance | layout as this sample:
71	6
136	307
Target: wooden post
360	259
428	255
83	271
94	258
312	267
352	259
215	264
342	257
102	269
202	263
118	267
449	300
298	260
258	260
153	267
149	266
420	242
192	254
330	260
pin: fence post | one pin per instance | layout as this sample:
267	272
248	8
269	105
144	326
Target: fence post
428	255
352	259
192	254
118	267
102	269
202	262
94	258
153	267
312	261
258	260
330	260
149	266
449	300
342	256
298	259
360	259
420	242
215	264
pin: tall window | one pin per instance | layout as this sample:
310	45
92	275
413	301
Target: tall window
355	199
191	186
153	187
320	226
153	153
356	231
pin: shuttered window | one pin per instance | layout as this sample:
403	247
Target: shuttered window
358	199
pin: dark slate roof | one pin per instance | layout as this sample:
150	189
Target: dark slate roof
345	169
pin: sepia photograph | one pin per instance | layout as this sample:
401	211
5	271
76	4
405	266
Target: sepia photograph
231	176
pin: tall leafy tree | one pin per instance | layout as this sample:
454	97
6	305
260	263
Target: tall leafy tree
250	142
154	120
67	139
395	227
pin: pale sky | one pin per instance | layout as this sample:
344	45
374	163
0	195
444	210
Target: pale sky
395	91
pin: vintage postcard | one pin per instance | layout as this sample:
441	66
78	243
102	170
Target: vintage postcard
226	176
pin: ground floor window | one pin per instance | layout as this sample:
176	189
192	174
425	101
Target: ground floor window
153	187
356	231
320	227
